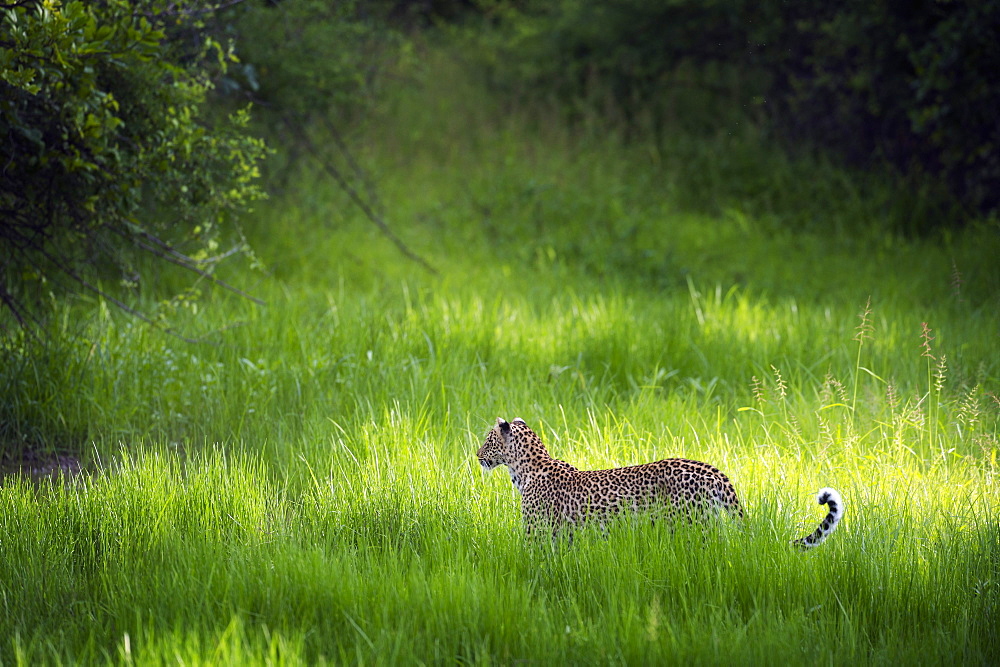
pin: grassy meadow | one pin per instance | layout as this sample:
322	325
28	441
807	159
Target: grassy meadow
300	485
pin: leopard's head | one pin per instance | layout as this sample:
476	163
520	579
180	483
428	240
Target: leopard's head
497	448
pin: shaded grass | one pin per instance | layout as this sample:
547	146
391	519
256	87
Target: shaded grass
302	486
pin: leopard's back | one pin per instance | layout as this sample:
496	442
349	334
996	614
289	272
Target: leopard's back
674	485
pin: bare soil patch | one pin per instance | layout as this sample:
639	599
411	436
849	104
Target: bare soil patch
40	465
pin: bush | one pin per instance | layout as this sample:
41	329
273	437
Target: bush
108	154
911	85
305	57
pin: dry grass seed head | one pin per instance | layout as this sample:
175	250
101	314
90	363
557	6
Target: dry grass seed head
956	282
941	373
779	383
892	396
865	330
757	387
926	338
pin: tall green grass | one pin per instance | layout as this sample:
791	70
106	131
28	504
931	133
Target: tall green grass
301	486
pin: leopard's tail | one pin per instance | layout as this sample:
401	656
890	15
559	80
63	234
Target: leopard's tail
831	499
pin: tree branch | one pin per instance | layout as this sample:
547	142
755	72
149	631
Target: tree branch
354	196
117	302
168	253
361	174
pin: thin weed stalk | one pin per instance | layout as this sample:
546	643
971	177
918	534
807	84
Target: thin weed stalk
864	332
928	354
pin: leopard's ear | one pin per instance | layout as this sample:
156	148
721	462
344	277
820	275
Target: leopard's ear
503	426
518	420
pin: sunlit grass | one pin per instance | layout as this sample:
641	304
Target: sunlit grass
302	485
393	548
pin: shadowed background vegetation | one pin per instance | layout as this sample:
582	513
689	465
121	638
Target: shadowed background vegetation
632	224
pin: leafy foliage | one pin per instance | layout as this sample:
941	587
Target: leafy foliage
912	85
305	56
108	153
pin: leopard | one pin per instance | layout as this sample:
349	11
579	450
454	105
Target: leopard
556	495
